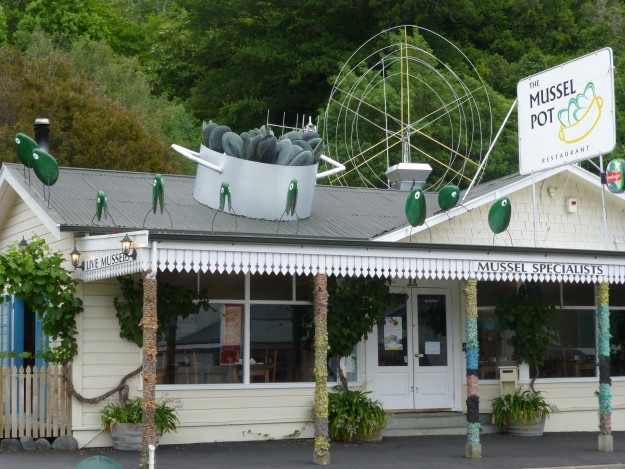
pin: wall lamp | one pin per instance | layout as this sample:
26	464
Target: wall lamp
23	244
127	246
75	255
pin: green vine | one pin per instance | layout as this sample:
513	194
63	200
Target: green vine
35	275
172	301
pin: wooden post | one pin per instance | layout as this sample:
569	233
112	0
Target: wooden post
149	322
321	452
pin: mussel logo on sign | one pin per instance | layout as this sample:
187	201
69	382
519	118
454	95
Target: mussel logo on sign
566	113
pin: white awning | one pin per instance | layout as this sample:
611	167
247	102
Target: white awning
103	259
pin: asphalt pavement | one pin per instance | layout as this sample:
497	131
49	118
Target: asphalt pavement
553	450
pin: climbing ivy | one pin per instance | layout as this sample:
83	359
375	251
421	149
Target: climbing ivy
36	276
172	301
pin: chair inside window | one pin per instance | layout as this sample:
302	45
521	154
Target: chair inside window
271	361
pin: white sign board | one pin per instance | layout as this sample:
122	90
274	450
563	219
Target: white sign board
566	113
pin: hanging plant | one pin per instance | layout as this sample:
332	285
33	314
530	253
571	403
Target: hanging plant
172	301
36	276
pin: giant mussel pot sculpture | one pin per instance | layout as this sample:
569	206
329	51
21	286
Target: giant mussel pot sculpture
259	169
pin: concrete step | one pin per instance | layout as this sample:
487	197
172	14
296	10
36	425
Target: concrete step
433	423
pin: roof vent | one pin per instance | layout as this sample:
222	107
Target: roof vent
42	133
407	176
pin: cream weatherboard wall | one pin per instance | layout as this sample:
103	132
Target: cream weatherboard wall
555	227
574	398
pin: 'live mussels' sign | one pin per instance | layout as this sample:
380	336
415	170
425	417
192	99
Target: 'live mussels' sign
538	268
108	260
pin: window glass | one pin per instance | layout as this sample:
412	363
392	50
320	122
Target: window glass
488	293
551	292
617	295
617	341
271	287
574	353
221	286
392	335
578	294
304	287
495	351
203	348
281	343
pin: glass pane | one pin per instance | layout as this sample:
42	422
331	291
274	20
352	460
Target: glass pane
578	294
489	292
432	330
223	286
202	348
281	344
304	287
617	294
271	287
495	351
617	343
574	353
551	292
392	335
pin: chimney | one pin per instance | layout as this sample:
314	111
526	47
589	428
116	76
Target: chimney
42	133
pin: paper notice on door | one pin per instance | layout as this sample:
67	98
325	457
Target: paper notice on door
393	333
432	348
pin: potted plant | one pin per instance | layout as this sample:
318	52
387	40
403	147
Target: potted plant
521	413
532	319
354	416
124	422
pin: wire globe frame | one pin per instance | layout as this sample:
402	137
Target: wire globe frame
408	95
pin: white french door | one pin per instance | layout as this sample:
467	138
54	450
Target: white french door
412	352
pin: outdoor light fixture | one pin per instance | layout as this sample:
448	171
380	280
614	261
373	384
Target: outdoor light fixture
75	255
127	246
23	244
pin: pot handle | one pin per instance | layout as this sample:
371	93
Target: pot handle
338	167
195	157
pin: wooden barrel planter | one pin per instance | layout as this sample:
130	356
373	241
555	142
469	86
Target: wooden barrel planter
127	436
531	428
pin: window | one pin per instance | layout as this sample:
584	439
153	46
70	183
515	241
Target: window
617	330
266	318
572	355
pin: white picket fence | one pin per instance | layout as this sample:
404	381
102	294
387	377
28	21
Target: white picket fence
35	402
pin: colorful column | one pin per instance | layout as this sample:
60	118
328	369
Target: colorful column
473	448
606	443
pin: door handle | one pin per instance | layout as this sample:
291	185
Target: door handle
417	355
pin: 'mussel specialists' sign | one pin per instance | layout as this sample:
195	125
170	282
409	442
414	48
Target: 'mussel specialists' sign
538	268
566	113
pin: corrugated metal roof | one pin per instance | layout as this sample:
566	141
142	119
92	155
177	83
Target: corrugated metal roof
337	212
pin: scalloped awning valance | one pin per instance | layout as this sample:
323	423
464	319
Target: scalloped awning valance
398	260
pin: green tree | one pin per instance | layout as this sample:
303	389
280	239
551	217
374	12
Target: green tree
355	306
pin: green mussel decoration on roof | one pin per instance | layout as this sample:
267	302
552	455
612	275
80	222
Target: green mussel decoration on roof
24	146
415	207
225	193
291	198
158	193
102	206
499	215
45	166
448	197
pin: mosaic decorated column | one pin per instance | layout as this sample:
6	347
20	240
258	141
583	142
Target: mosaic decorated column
605	382
473	448
321	452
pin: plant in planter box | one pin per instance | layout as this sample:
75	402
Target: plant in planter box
524	408
354	416
126	419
